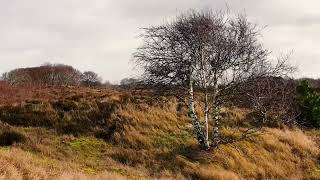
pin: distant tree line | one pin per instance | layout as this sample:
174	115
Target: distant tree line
52	74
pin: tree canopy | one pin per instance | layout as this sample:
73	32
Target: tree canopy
214	52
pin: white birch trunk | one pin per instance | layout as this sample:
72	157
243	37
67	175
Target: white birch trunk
216	116
206	117
206	108
191	102
216	129
195	123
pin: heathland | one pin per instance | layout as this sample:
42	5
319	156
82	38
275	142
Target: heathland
71	132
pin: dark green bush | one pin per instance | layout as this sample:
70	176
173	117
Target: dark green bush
75	122
309	105
65	116
24	115
9	138
103	134
65	105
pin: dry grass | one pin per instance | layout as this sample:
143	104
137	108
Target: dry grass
81	176
274	154
147	137
17	164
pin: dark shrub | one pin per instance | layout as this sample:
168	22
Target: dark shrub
75	122
102	134
34	115
9	138
108	133
309	103
66	105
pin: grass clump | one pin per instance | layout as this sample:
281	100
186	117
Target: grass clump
171	140
87	147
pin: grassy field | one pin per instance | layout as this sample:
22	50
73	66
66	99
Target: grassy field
72	133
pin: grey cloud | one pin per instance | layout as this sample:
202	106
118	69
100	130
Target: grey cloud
309	21
101	35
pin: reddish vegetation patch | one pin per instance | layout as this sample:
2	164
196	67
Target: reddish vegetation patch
11	95
17	94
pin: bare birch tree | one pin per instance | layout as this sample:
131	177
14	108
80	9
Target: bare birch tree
212	52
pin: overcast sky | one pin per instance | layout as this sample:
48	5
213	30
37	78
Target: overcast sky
101	35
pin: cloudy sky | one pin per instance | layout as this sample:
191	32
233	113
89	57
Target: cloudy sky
101	35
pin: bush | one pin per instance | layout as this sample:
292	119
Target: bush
75	122
34	115
105	135
9	138
309	105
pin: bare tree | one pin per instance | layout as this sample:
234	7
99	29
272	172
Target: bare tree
15	77
55	74
90	78
129	82
272	99
212	52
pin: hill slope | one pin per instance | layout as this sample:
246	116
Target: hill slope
72	133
